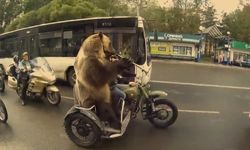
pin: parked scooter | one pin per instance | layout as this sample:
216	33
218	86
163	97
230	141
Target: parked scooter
85	127
40	84
2	77
3	112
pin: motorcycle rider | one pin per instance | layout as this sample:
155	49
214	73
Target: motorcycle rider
116	93
15	70
25	67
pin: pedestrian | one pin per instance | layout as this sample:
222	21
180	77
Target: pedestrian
241	60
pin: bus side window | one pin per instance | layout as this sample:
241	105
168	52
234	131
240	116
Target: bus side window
21	46
73	37
141	53
148	52
33	47
50	44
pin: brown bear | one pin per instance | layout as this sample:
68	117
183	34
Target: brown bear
94	72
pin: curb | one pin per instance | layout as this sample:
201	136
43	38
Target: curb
197	64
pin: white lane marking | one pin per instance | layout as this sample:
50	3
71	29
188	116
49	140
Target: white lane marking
180	110
199	111
246	112
66	97
202	85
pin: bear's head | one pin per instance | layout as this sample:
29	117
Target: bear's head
98	45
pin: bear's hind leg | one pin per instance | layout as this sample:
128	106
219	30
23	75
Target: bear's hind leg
107	113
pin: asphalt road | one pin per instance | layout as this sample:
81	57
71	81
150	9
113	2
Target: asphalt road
214	103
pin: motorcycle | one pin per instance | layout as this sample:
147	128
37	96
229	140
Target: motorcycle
3	112
2	77
85	127
40	84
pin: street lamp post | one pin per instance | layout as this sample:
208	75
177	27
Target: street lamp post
229	47
138	7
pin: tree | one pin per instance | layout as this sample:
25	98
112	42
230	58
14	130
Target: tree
29	5
112	7
155	16
57	10
208	16
238	23
9	9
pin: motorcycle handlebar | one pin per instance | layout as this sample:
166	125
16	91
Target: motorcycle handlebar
138	66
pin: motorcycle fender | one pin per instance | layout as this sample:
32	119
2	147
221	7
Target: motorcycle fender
87	113
12	82
52	88
156	94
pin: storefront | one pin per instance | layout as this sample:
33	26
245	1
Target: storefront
177	46
238	53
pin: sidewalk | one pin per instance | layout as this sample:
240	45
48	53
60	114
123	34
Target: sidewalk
209	64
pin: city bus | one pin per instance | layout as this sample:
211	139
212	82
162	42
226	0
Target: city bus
59	42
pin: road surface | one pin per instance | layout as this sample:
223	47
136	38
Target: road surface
214	105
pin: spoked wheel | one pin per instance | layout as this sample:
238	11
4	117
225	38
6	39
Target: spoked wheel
54	98
2	86
165	114
82	130
3	112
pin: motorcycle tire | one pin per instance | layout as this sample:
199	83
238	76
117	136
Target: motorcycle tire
169	121
3	111
82	131
2	86
54	98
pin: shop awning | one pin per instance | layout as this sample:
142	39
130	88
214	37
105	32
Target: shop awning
213	32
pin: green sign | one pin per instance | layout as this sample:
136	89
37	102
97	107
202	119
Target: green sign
162	36
240	45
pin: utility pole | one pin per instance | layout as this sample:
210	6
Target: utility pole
138	7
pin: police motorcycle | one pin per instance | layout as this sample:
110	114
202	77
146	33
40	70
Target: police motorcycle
2	77
85	127
40	82
3	112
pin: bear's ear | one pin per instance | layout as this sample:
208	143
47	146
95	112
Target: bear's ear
100	35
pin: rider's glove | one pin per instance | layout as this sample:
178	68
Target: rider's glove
128	63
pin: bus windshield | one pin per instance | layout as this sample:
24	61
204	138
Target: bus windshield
127	44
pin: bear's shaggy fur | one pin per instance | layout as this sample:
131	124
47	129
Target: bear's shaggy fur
94	71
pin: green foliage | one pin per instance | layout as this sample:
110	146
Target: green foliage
57	10
29	5
9	9
208	16
112	7
238	23
181	18
44	11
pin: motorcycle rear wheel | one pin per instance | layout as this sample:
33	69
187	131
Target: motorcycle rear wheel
82	130
3	112
163	119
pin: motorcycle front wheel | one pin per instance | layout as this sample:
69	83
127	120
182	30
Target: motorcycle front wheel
54	98
82	130
165	113
3	112
2	86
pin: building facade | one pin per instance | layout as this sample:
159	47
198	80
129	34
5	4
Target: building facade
176	46
237	53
